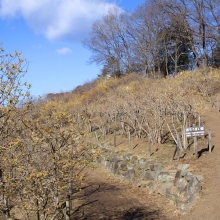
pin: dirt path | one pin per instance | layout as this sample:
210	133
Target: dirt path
110	198
208	165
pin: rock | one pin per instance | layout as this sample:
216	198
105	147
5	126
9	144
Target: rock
115	162
130	167
148	175
151	172
170	196
122	166
152	167
127	156
150	184
151	187
163	188
144	168
179	174
124	174
182	166
166	176
108	163
157	169
192	188
142	161
134	159
188	176
180	186
131	175
112	159
185	207
138	183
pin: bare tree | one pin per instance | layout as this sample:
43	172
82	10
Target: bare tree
108	42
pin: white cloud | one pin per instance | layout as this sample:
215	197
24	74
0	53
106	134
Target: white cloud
57	19
64	51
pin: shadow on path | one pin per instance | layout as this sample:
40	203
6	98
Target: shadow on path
205	150
106	201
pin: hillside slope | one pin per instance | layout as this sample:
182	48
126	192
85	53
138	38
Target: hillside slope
134	110
122	199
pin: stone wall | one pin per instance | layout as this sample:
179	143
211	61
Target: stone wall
174	181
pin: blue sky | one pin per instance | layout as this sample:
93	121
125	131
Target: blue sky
50	33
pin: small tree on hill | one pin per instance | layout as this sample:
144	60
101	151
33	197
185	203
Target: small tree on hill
12	91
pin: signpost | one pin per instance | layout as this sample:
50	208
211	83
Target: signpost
195	132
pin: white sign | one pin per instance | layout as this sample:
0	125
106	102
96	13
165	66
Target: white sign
195	131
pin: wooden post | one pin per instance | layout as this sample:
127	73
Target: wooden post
184	138
149	147
195	147
178	153
68	208
114	138
179	143
96	136
199	120
174	152
104	134
122	127
210	141
178	147
184	131
129	140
